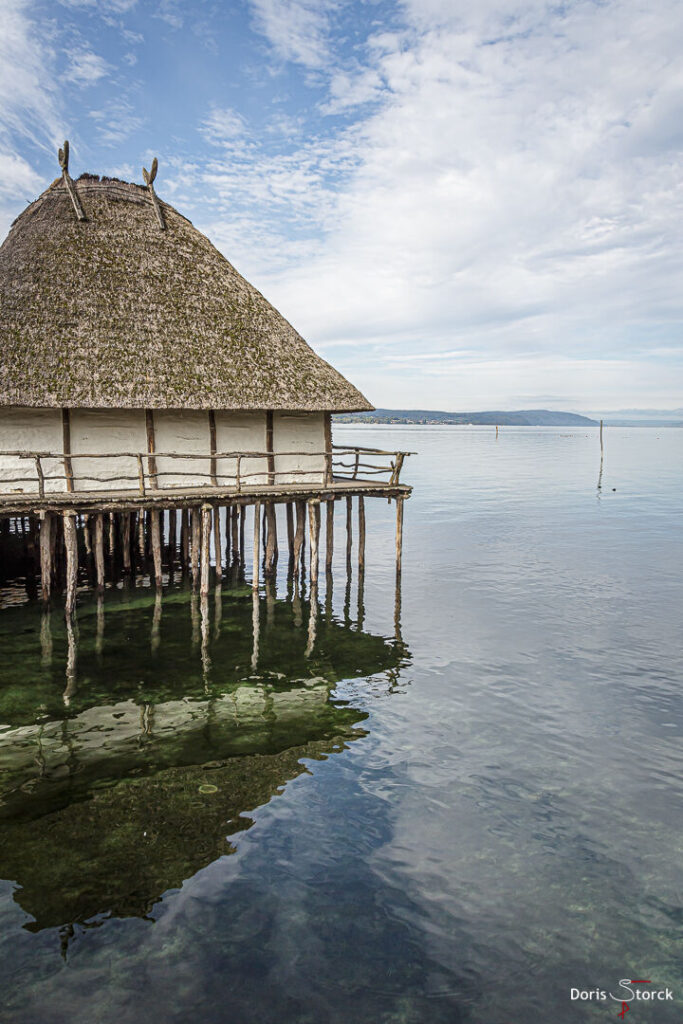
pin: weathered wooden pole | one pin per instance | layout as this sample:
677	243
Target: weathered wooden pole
314	535
361	533
271	539
349	531
601	444
99	551
206	547
243	520
195	520
235	540
312	612
299	536
71	551
399	534
141	536
257	545
112	535
125	540
290	529
45	554
156	546
185	539
255	625
86	534
217	542
172	537
329	536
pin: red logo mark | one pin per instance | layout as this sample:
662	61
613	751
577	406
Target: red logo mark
624	1010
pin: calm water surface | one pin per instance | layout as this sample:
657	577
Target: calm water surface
457	816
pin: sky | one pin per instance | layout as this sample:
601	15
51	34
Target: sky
461	204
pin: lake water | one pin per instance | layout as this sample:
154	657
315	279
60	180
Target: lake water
455	810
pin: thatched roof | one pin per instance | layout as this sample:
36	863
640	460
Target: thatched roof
114	312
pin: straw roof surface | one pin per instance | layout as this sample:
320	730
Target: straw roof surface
113	312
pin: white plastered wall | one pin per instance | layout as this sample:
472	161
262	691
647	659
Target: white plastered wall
304	434
186	432
30	430
105	431
241	432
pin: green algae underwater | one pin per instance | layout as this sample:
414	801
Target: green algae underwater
126	763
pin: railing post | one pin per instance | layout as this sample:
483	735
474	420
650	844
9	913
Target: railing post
141	474
41	478
238	480
400	456
355	468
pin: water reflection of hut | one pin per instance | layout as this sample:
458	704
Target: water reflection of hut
140	372
104	802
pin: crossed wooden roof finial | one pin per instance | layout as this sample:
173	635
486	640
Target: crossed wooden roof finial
68	181
149	177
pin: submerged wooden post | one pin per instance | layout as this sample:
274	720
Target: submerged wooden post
399	534
257	544
349	531
156	546
243	519
290	529
205	548
71	550
329	536
314	534
195	542
300	533
217	541
361	533
45	554
99	551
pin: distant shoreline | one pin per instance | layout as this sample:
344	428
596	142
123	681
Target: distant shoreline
495	418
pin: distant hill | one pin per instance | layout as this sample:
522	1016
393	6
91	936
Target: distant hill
523	418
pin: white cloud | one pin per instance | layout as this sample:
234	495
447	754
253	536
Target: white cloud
296	29
116	121
517	192
222	126
85	68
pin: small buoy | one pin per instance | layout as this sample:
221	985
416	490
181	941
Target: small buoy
614	488
208	788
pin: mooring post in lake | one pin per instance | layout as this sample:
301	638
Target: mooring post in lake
257	544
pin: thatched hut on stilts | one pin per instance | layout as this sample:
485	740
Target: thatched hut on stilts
139	373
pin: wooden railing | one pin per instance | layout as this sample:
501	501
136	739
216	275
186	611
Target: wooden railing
333	467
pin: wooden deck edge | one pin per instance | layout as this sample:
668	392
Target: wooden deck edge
93	501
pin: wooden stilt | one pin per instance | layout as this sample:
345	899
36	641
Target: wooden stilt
172	538
125	540
218	552
243	519
156	546
141	535
205	550
86	534
112	535
195	519
234	529
71	550
299	536
329	536
349	531
45	555
399	534
99	551
271	539
185	539
361	533
257	543
255	626
314	535
290	529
